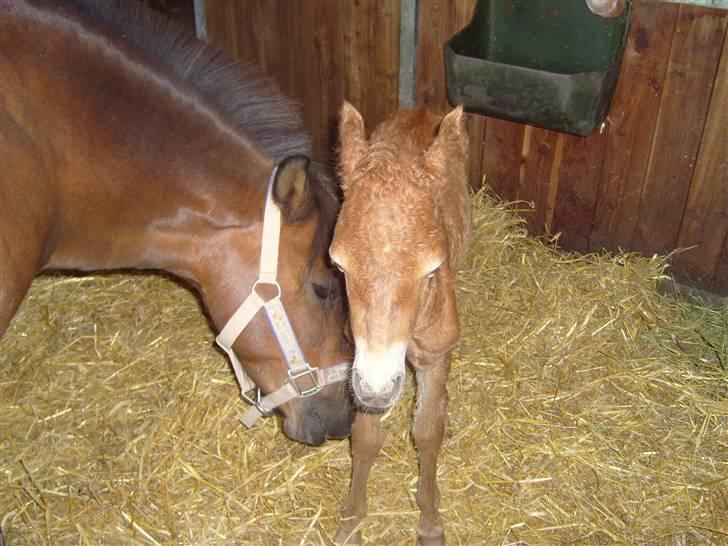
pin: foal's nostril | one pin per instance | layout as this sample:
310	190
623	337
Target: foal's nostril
398	384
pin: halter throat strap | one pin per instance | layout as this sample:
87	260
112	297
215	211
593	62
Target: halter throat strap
299	370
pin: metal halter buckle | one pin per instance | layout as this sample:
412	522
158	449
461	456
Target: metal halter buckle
311	372
253	397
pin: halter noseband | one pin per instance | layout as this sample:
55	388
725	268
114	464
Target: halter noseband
298	368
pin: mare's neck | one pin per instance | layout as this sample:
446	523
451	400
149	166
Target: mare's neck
155	180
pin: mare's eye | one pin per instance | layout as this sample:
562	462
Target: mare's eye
325	291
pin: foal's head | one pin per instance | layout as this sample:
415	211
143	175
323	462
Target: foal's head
389	240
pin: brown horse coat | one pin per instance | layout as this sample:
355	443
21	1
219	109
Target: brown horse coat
126	143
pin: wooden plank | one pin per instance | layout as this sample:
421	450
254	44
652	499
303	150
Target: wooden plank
501	156
691	71
631	125
313	29
435	27
540	147
319	52
370	68
438	21
705	220
578	187
720	279
476	130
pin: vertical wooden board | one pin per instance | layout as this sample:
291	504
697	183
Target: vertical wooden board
319	52
369	59
253	31
313	28
535	174
705	220
502	156
434	29
630	124
720	278
438	21
691	71
476	125
218	30
265	23
576	193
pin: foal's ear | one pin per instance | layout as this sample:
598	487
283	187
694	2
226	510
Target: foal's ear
352	137
291	187
451	142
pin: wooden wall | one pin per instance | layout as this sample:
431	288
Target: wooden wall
319	52
654	179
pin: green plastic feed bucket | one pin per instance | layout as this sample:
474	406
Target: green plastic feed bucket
551	63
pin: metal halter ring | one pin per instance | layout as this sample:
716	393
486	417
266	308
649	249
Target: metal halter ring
253	397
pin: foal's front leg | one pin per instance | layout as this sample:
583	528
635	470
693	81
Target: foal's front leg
428	431
367	438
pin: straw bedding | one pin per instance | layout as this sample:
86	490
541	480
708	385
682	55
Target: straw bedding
585	407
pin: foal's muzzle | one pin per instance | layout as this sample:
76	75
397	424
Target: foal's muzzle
380	398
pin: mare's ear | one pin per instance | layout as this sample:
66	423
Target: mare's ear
352	137
291	190
451	142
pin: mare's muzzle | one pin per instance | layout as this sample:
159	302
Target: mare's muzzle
318	418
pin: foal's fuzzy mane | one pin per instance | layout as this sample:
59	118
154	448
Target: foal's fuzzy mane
253	105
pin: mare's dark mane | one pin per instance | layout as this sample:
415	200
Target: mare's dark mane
253	105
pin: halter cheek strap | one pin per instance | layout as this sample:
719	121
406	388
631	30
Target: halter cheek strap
298	368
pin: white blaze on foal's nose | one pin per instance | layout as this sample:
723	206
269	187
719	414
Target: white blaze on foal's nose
379	374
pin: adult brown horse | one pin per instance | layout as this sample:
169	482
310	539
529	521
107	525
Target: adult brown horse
126	143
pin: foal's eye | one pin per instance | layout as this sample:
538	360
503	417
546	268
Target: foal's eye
432	273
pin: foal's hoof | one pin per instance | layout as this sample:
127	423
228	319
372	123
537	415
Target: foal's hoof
432	540
348	534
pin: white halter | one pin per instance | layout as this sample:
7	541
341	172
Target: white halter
297	366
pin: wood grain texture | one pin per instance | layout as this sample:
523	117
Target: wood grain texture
631	125
720	278
319	52
578	187
535	175
652	180
438	21
502	156
691	70
705	220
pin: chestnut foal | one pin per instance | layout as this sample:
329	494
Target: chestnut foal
402	234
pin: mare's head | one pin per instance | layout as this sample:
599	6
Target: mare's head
389	242
199	136
311	296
